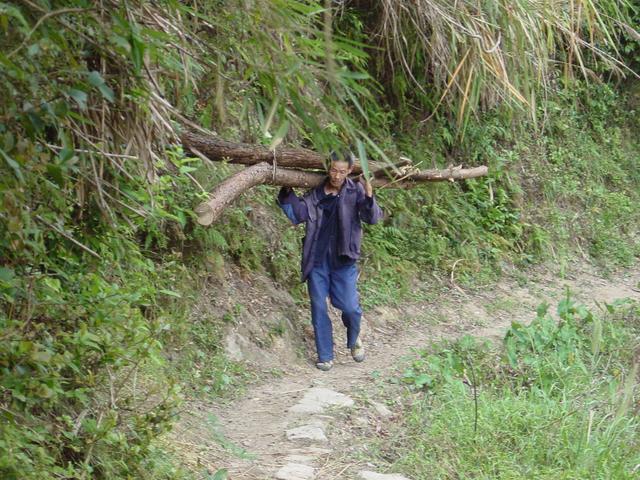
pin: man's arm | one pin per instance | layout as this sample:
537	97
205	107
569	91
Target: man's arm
293	207
368	208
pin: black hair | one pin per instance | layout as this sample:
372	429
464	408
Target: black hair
345	156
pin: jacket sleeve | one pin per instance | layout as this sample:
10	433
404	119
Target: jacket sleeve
293	207
368	208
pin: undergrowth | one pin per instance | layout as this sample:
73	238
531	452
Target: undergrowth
570	189
559	400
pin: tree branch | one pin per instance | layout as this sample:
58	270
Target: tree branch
217	149
263	173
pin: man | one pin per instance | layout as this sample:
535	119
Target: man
333	212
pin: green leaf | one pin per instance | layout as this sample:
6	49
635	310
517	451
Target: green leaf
355	101
187	169
52	283
354	75
65	155
9	141
280	134
79	96
364	162
14	12
137	52
15	166
6	274
95	78
206	119
374	146
35	120
55	172
542	309
422	380
107	92
33	49
44	392
97	81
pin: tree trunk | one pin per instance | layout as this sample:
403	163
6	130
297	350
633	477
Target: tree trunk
217	149
263	173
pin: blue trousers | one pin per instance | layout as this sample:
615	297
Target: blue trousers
339	285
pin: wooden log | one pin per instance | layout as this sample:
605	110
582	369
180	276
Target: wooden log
217	149
435	175
263	173
392	171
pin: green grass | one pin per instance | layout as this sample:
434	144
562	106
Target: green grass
559	401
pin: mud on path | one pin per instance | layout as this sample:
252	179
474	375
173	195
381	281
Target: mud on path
308	424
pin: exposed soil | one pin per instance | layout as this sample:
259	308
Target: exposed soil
248	436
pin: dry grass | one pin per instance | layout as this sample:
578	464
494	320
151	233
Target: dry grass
478	54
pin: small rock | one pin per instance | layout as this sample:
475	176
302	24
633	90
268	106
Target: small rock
307	432
295	471
365	475
382	410
316	399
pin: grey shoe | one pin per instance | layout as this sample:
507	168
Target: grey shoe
357	351
324	366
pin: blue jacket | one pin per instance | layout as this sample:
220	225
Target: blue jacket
353	208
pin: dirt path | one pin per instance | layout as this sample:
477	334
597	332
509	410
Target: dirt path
307	423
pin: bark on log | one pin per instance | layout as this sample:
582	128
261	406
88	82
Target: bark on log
217	149
392	171
263	173
230	189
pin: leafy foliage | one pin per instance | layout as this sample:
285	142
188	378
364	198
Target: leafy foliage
557	403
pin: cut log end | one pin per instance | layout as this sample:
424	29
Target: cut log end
205	214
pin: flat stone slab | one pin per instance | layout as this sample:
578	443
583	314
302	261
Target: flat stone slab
307	432
306	455
301	459
365	475
296	471
316	399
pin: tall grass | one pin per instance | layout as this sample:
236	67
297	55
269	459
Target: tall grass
460	58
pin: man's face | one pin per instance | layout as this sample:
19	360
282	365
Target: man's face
338	172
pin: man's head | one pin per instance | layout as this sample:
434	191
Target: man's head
340	168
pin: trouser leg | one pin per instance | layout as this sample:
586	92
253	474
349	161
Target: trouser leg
318	284
344	296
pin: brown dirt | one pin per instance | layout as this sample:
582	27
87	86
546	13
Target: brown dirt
247	435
